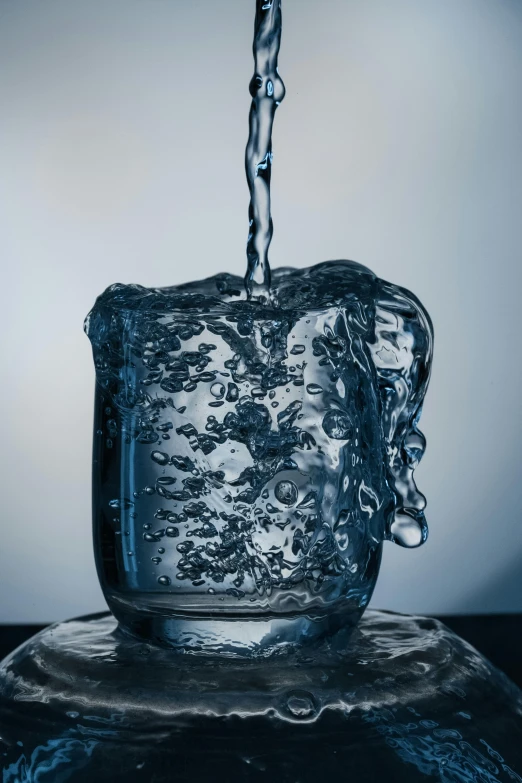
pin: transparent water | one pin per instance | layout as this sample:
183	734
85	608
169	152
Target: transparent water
267	90
250	459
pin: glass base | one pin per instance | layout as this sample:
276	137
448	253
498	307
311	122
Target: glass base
245	635
400	699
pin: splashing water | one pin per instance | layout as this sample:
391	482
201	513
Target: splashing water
267	91
255	444
253	458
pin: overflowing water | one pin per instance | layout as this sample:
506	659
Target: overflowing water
251	459
255	440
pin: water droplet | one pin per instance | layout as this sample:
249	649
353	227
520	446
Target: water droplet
314	388
297	349
286	492
156	560
217	390
338	425
160	457
164	580
409	529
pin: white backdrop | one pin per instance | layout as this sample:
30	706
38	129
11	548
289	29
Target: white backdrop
121	157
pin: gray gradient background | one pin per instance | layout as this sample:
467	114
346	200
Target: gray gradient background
399	145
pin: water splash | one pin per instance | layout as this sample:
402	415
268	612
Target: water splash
268	450
267	91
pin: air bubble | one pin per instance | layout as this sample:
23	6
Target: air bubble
123	503
160	457
338	425
232	393
217	390
164	580
166	480
286	492
301	705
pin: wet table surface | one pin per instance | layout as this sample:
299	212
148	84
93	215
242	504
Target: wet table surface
497	636
400	700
